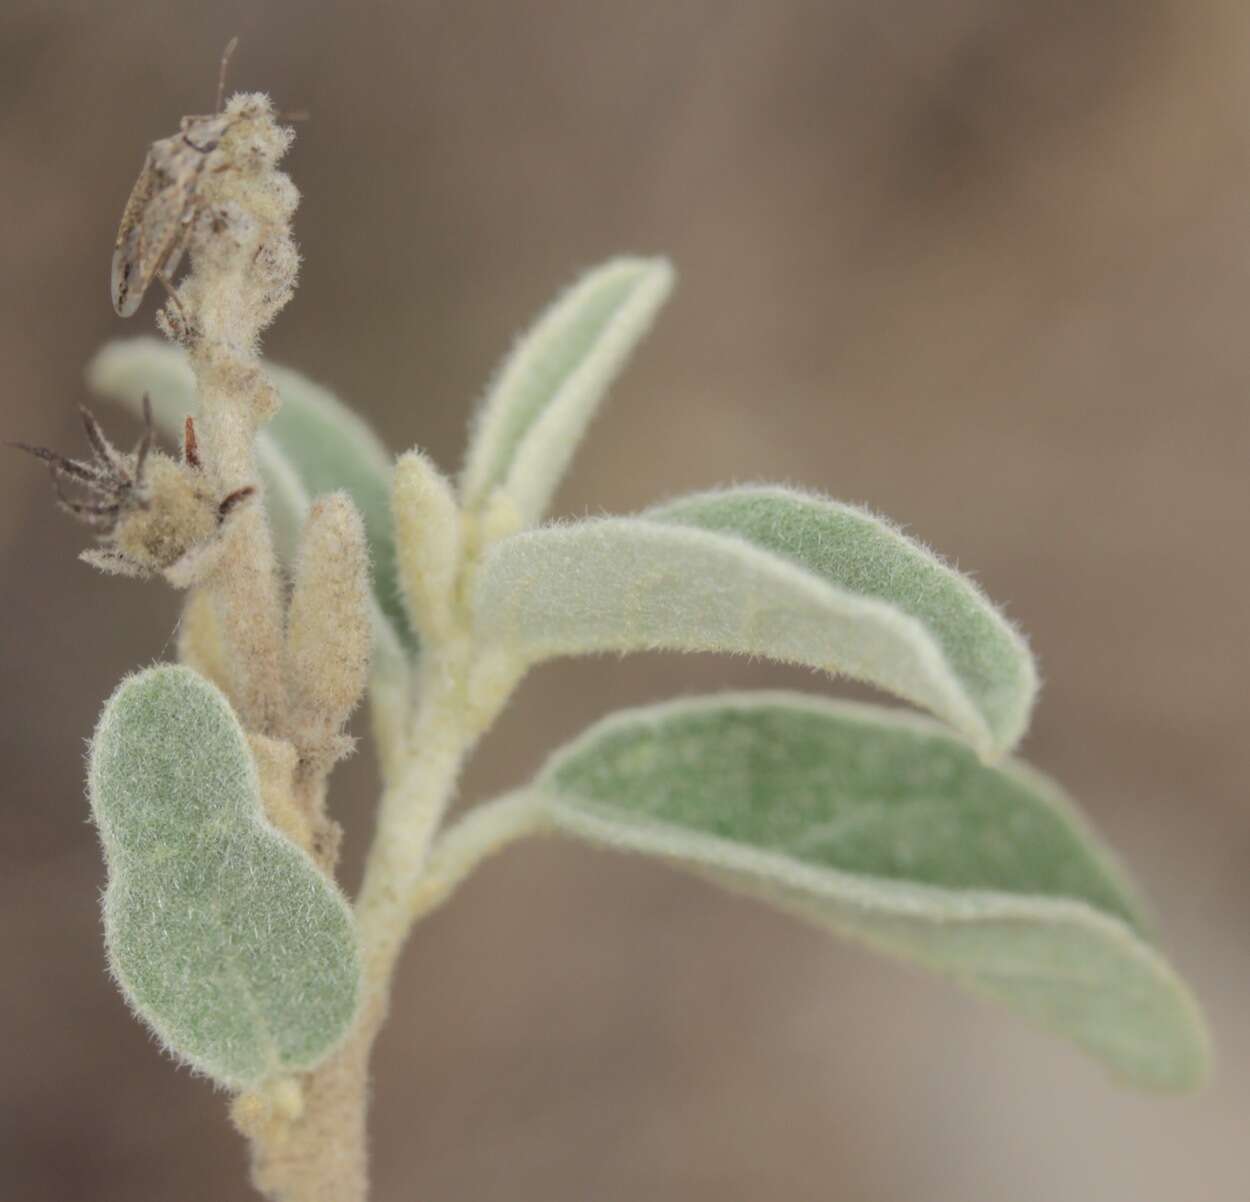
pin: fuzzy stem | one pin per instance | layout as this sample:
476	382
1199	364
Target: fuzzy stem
486	830
246	595
391	699
243	268
244	583
321	1155
410	813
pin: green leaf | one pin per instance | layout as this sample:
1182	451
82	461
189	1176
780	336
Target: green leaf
546	393
314	445
223	935
771	572
883	827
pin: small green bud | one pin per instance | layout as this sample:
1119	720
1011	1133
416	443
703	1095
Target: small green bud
427	543
222	934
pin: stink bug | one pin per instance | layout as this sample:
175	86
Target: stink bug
162	206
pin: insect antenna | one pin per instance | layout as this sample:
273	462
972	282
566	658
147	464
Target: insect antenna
231	46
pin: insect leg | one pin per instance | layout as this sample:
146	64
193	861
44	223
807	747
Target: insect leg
182	326
202	149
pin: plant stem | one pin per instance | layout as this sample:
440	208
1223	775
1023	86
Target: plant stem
411	811
320	1154
487	828
246	594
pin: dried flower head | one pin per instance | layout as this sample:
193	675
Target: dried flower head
151	512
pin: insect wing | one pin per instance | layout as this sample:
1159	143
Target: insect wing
152	225
126	284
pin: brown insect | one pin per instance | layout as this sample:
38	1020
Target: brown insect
148	509
163	204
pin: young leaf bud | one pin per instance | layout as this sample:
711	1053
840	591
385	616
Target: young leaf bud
328	627
222	934
427	543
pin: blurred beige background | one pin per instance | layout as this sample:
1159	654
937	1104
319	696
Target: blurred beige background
981	264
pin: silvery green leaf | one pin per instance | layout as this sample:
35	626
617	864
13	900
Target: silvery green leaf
770	572
549	387
313	445
223	935
882	826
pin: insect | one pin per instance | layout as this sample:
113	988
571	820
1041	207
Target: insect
148	509
163	205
